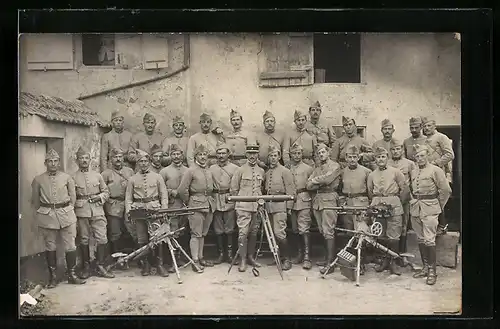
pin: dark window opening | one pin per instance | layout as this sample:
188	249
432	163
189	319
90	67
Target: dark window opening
337	58
98	50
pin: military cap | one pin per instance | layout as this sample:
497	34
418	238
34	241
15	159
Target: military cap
296	147
51	154
175	147
267	115
366	149
273	149
82	150
379	151
234	114
298	114
396	142
155	149
200	148
148	117
352	149
321	146
116	114
116	150
221	146
346	120
177	119
385	123
142	154
315	105
420	148
252	148
205	116
428	119
416	120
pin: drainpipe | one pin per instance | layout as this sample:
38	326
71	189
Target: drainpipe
185	66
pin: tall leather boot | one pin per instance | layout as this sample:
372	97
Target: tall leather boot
286	264
252	242
220	248
431	255
385	262
393	267
243	246
325	259
306	265
146	266
85	269
233	248
298	242
425	262
71	264
51	257
330	256
160	270
101	262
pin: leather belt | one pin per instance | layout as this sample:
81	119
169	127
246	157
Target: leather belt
221	191
325	191
119	198
275	193
385	195
86	197
426	197
201	193
354	195
302	190
55	205
146	200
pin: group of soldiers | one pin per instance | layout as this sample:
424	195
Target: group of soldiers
311	163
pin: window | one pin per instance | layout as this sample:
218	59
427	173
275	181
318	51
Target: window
98	49
337	58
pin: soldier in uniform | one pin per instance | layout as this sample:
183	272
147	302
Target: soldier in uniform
116	138
144	140
91	193
172	176
156	156
269	137
279	181
303	138
440	154
430	193
387	184
116	178
350	137
224	215
247	181
324	181
300	217
324	134
53	197
387	129
206	137
416	137
178	138
146	190
237	140
406	167
196	189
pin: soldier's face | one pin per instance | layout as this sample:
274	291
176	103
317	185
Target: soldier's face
296	155
429	127
202	157
222	155
117	160
52	164
149	125
349	127
156	158
381	160
269	124
206	125
300	122
176	157
421	158
323	154
315	113
397	152
143	163
351	159
236	122
416	130
274	158
178	127
117	123
84	161
252	157
387	131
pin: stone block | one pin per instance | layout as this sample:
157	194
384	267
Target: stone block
447	247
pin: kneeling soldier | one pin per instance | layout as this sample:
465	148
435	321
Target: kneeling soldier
430	193
146	190
279	181
53	197
387	184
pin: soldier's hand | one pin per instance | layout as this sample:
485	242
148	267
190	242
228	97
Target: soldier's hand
174	193
217	131
289	212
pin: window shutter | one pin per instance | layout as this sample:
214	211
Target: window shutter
287	60
49	51
155	51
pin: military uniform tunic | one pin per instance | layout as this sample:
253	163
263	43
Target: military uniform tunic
167	143
323	133
301	209
354	189
156	169
266	140
224	215
339	147
91	218
408	146
209	140
304	139
145	142
440	151
406	167
111	141
53	197
172	176
237	142
383	144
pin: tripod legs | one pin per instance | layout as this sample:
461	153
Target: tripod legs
174	261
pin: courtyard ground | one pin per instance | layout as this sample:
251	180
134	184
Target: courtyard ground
216	293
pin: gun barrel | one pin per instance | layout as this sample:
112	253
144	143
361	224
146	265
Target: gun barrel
255	198
177	210
350	208
355	232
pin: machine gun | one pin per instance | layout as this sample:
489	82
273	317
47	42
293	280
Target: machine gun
266	226
153	214
379	211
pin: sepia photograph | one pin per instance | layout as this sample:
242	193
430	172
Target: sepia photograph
240	174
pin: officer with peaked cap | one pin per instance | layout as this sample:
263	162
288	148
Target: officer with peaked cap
208	137
224	215
415	125
238	138
116	138
300	136
178	138
387	129
53	197
144	140
268	137
430	193
324	134
91	194
350	137
156	154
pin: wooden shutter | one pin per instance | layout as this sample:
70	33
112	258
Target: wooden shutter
49	51
155	51
287	60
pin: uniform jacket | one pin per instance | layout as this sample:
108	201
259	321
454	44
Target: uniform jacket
155	169
429	180
304	139
279	180
388	186
338	149
301	173
247	181
440	150
325	181
405	166
408	146
53	189
113	140
210	140
265	140
323	134
237	142
146	185
353	185
222	183
172	176
196	188
145	142
382	143
169	141
117	181
88	184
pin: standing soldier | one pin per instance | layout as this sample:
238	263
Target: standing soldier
387	129
178	138
156	156
116	138
224	215
406	167
237	140
303	138
207	137
116	178
91	193
415	138
300	217
440	154
279	181
144	140
172	176
324	134
53	197
325	181
387	184
350	137
269	137
196	189
430	193
247	181
146	190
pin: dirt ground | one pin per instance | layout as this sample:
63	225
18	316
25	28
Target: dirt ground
214	292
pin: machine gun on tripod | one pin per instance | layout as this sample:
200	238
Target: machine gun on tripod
159	232
266	226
